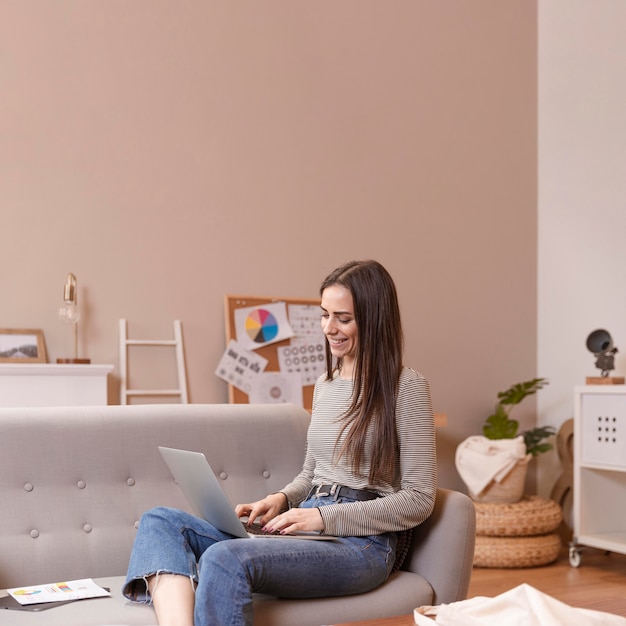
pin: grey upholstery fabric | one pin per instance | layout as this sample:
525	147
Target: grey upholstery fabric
74	482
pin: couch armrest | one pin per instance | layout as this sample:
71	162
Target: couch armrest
442	549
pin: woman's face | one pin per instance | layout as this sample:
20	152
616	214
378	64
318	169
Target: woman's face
339	326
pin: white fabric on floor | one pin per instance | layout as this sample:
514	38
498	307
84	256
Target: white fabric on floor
521	606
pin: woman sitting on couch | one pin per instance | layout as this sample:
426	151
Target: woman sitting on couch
368	478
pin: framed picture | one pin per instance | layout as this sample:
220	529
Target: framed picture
19	345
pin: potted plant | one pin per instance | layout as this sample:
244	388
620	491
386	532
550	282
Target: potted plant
501	426
494	466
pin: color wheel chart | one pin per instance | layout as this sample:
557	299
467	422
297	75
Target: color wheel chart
261	327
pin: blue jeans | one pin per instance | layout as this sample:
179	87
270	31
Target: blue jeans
226	571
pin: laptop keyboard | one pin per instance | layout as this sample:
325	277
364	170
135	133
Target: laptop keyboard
257	529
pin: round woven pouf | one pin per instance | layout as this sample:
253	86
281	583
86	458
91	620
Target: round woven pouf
520	534
532	515
512	552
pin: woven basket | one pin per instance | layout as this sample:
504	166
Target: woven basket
509	490
514	552
532	515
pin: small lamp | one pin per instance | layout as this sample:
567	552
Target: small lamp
70	314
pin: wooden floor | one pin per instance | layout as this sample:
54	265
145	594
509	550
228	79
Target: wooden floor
599	583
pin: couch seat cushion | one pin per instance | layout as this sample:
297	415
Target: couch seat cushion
407	592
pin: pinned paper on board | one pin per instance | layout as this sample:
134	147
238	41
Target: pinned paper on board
258	326
239	366
305	322
276	388
306	359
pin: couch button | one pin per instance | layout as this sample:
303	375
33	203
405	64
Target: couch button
87	528
34	533
28	487
81	484
130	482
266	474
223	475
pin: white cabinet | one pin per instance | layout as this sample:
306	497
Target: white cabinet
49	384
599	469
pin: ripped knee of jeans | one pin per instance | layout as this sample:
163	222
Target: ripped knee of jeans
142	588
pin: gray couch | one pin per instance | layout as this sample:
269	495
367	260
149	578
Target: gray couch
74	482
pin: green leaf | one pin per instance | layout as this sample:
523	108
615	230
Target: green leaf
500	425
516	393
539	449
534	437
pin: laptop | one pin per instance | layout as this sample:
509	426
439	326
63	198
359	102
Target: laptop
197	481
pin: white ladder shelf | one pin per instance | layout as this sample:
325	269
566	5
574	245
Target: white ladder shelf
176	343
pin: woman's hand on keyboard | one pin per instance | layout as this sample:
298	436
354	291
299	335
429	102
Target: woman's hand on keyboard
266	509
296	520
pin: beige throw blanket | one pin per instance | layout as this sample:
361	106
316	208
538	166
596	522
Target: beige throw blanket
480	460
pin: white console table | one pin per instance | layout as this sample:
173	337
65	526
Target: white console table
51	384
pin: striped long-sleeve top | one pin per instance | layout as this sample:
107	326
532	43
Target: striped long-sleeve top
408	499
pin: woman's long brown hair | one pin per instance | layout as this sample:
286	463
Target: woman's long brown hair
377	368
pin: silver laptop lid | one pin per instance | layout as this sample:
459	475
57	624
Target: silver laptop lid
196	480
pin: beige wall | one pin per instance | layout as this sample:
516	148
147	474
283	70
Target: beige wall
169	153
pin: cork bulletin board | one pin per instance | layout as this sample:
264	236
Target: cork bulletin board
269	351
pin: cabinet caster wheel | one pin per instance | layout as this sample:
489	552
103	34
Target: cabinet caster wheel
574	556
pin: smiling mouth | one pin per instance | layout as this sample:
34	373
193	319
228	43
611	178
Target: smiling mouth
336	342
